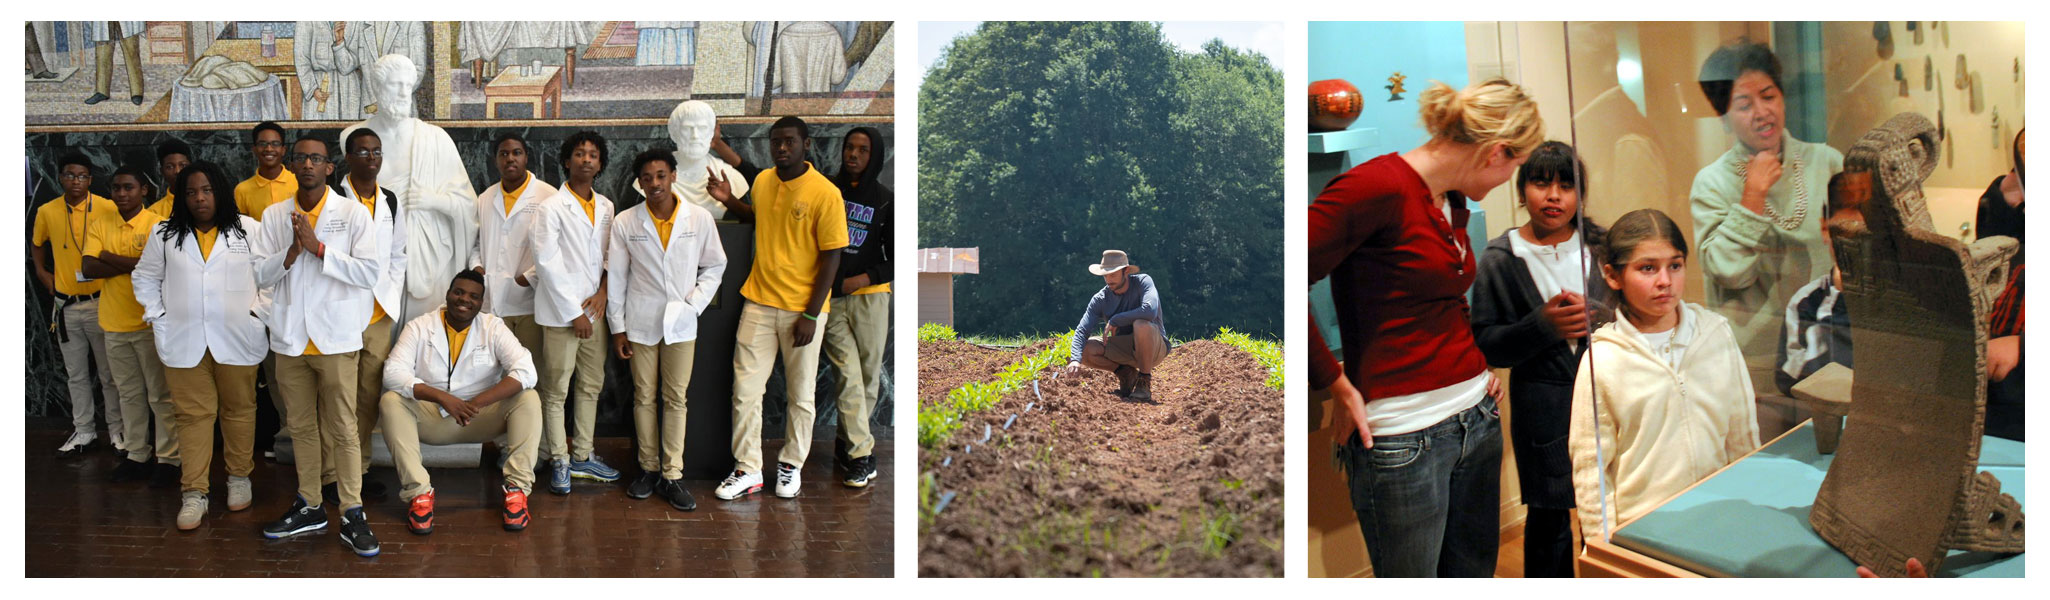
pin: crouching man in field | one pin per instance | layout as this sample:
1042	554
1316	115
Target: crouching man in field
1134	338
460	376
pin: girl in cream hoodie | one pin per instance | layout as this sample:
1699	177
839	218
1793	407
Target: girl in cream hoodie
1662	398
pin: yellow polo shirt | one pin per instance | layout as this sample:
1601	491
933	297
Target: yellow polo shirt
119	310
312	220
455	337
591	208
512	196
206	242
256	193
370	202
162	206
794	221
65	228
664	226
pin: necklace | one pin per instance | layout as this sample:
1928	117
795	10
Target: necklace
1784	222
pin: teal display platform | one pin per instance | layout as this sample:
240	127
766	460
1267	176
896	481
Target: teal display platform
1751	519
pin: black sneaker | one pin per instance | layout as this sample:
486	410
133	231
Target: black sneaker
860	471
297	520
678	496
167	476
356	533
331	494
643	486
129	470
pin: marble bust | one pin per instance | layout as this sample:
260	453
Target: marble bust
693	125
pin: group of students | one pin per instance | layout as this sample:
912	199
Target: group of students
215	278
1624	394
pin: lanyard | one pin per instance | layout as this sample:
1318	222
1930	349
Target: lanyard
78	239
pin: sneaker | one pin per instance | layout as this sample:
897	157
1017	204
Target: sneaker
593	469
166	476
860	471
77	444
372	489
1126	376
330	494
129	470
786	480
643	486
238	493
420	514
1142	388
558	477
356	533
120	442
191	508
678	497
738	484
297	520
516	517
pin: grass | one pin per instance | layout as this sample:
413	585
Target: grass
940	419
935	332
1267	351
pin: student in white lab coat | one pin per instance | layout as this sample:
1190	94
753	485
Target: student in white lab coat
459	376
317	256
503	251
364	153
196	282
664	266
570	236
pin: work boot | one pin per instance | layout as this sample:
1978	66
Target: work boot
1126	375
1142	388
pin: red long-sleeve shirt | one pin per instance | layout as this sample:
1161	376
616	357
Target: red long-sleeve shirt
1399	274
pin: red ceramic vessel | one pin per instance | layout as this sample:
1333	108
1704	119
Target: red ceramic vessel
1334	104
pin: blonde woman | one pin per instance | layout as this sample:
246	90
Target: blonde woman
1416	402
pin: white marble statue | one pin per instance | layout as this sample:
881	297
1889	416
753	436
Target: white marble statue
692	125
422	168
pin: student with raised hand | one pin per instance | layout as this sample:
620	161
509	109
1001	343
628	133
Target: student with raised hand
458	376
363	151
196	282
1415	401
58	239
663	266
1532	308
504	251
319	259
1672	402
570	238
112	247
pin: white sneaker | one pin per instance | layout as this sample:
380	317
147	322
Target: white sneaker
238	493
77	443
120	441
738	484
786	481
190	510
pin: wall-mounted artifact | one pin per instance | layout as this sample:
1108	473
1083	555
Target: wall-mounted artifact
1915	27
1928	73
1996	128
1964	75
1883	33
1978	95
1900	74
2017	68
1905	481
1394	86
1334	104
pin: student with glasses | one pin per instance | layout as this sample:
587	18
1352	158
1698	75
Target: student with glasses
55	242
365	156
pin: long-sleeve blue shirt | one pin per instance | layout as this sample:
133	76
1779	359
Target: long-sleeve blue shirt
1139	301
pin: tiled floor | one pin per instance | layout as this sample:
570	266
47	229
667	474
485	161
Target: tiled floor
78	524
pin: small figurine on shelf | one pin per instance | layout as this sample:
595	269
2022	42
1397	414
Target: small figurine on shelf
1394	86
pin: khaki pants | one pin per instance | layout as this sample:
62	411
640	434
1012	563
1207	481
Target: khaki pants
320	401
201	394
140	378
670	364
410	423
765	331
84	344
369	384
103	61
584	357
528	332
854	345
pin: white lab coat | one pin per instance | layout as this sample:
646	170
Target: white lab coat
325	300
569	255
490	353
198	305
385	225
505	248
655	295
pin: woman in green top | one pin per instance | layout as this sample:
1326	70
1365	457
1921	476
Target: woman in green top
1757	208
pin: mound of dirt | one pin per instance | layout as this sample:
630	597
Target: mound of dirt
1088	484
948	364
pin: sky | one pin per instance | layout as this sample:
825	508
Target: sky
1265	38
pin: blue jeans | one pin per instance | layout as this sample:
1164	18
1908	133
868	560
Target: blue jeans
1429	501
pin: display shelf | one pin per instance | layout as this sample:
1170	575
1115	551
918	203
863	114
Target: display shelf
1343	140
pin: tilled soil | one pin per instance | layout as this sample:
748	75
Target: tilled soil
945	365
1088	484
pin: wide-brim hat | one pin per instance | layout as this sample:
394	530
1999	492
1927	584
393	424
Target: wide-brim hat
1113	260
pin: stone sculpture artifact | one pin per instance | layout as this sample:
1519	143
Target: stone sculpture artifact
422	168
1905	480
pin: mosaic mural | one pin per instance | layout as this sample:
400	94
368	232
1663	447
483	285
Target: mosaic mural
108	72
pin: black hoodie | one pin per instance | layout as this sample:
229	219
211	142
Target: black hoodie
870	218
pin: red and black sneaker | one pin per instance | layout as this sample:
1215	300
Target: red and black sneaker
516	516
420	515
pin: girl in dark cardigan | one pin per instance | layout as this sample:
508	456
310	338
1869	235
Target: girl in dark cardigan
1534	302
